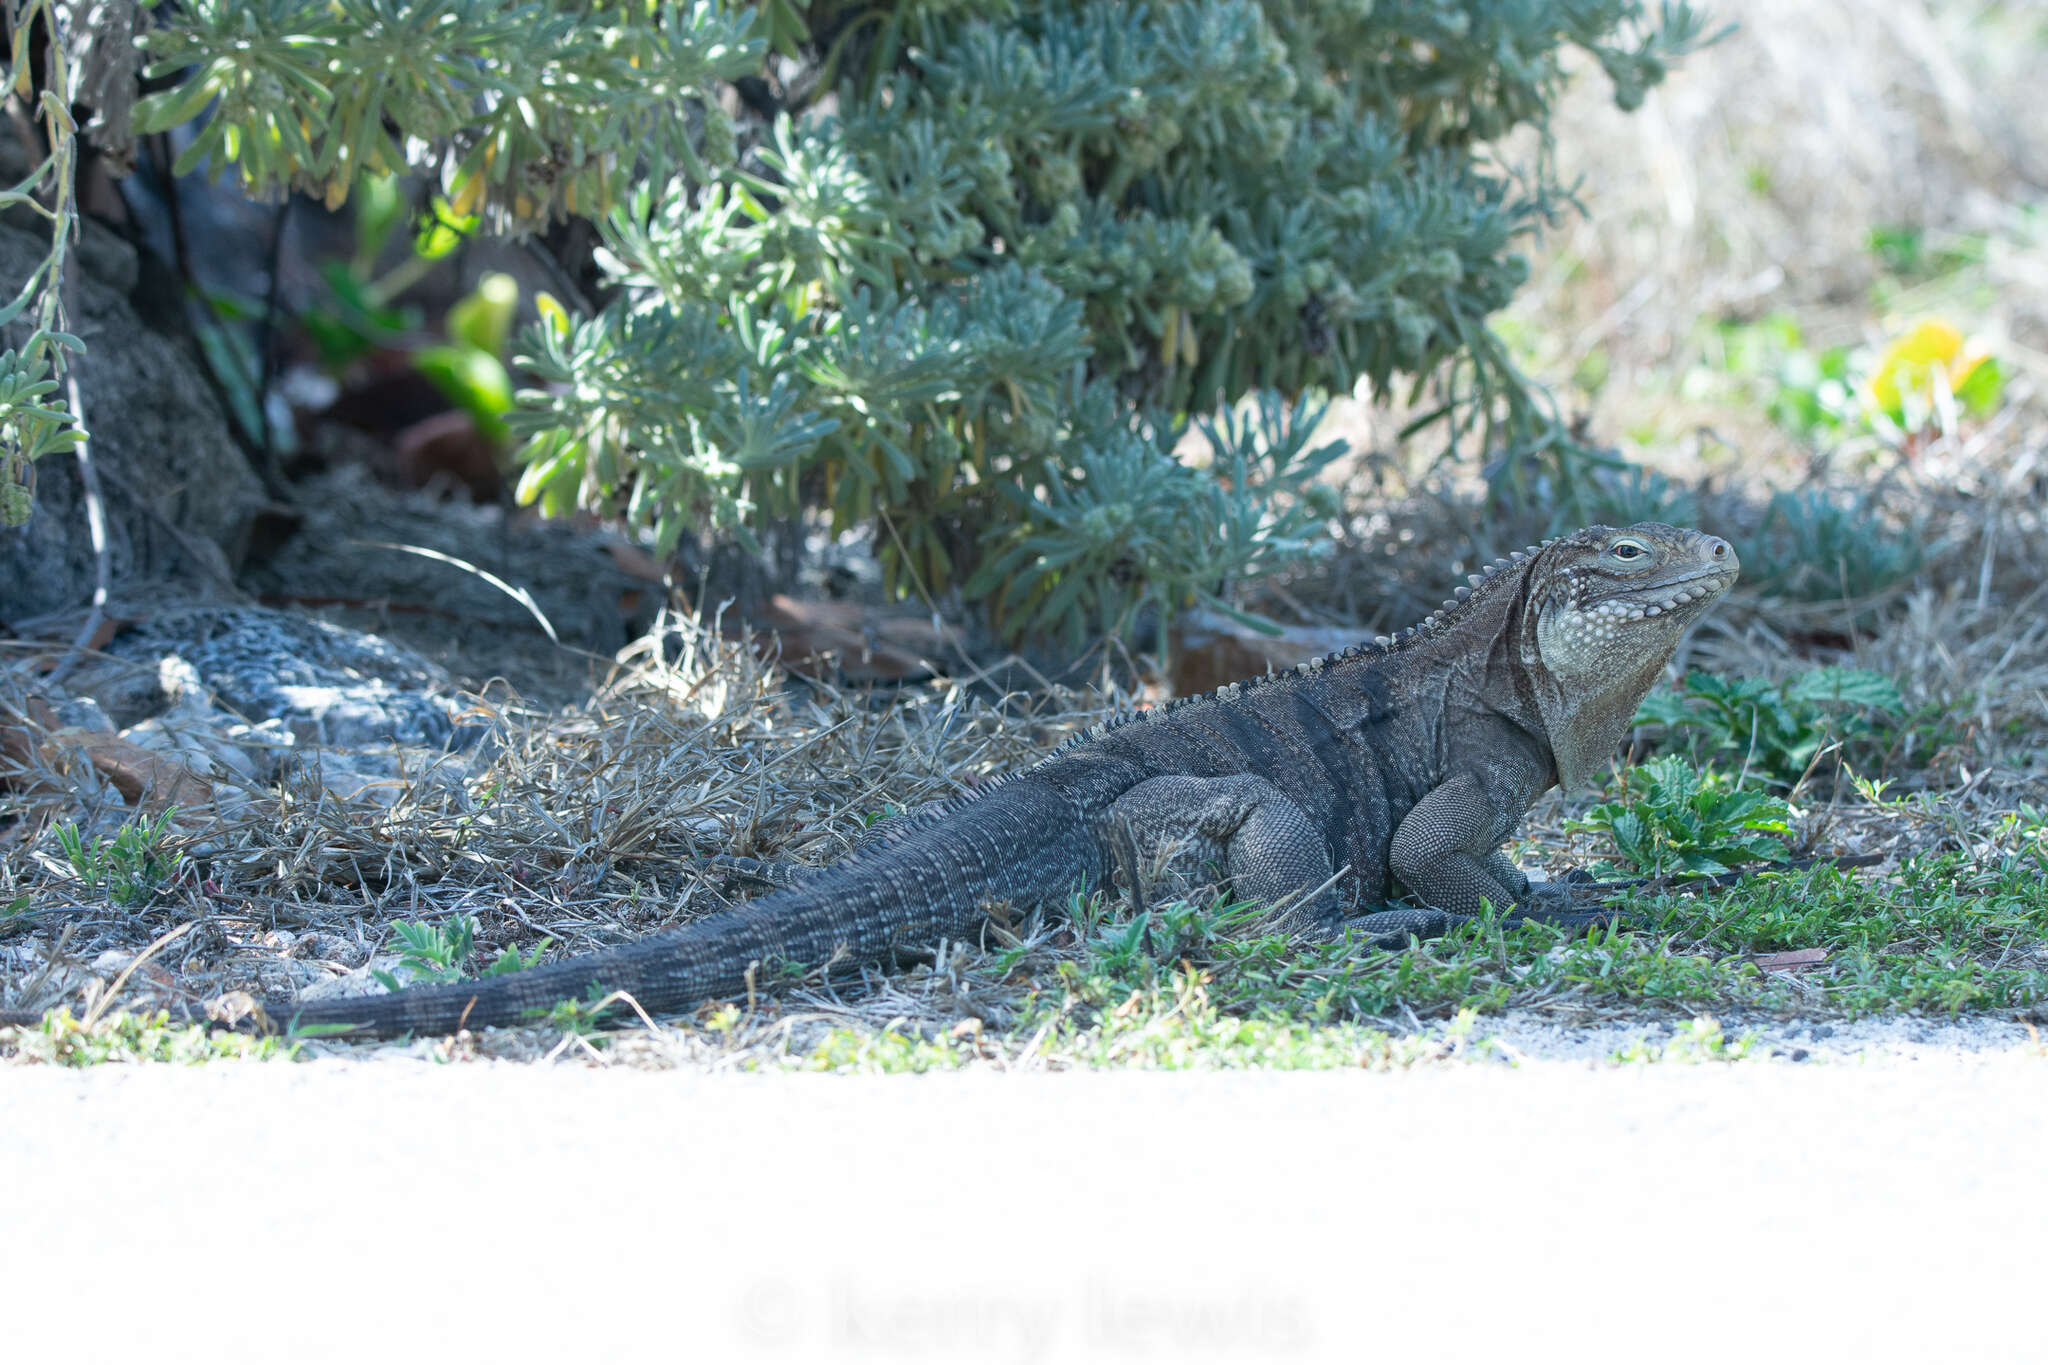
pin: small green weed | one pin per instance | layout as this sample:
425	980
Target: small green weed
1674	818
579	1019
1810	394
132	866
1700	1041
1908	253
440	953
1774	730
1947	934
1924	379
1113	1012
63	1040
887	1051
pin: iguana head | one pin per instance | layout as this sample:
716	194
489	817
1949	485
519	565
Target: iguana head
1604	611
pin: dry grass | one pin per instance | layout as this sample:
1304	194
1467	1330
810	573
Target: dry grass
1747	186
584	826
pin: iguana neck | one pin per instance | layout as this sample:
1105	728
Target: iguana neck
1585	724
1492	645
1586	713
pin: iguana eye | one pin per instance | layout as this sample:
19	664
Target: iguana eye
1627	551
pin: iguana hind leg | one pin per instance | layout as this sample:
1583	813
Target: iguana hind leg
1247	828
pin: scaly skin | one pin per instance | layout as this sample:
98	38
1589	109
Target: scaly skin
1401	764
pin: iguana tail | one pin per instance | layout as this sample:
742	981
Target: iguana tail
1023	842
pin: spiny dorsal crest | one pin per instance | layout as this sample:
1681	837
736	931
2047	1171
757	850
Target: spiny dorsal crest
1478	588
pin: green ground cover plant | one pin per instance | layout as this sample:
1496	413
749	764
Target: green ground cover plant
1774	731
131	866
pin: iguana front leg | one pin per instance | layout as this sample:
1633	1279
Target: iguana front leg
1509	874
1447	850
1447	853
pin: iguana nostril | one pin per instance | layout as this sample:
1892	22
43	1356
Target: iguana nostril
1719	549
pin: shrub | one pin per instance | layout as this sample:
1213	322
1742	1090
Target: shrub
1775	730
958	273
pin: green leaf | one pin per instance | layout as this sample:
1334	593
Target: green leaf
442	230
1849	686
27	295
380	207
482	319
474	381
1982	388
1630	835
167	109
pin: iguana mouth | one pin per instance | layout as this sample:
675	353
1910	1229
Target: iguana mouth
1674	594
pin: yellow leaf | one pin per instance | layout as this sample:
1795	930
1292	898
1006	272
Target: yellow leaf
468	195
552	313
1908	363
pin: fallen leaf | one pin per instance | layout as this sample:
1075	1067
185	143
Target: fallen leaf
633	560
142	776
1798	957
448	448
866	644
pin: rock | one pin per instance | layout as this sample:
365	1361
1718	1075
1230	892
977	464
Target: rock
583	579
1210	649
241	698
326	684
177	491
362	981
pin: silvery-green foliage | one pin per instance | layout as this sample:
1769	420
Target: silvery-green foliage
524	108
1026	238
967	286
35	420
1131	527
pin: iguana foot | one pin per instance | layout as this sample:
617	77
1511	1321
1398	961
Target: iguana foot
1566	904
1551	903
1393	928
1541	900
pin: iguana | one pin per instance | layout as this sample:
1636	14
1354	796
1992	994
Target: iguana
1401	763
